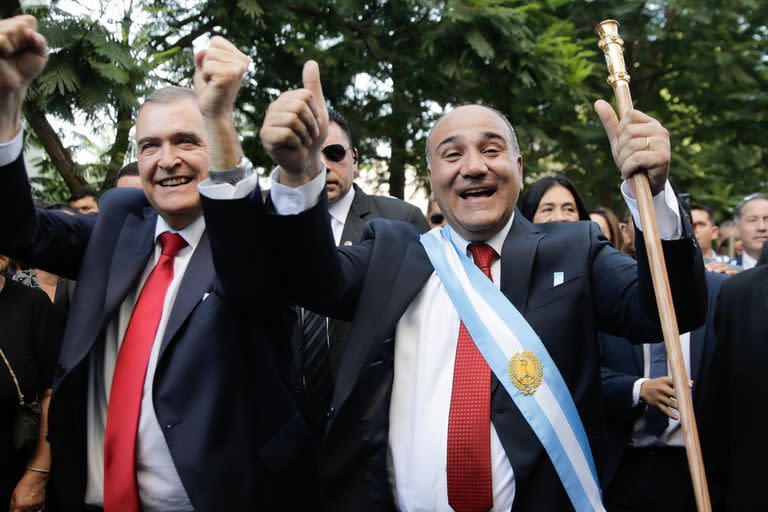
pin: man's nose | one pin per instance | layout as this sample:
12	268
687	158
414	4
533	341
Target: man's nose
169	157
475	164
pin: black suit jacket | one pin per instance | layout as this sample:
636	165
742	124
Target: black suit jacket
374	282
732	397
622	365
365	208
230	422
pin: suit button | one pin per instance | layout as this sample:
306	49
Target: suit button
331	412
60	371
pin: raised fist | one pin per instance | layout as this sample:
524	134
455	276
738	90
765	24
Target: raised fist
295	128
219	71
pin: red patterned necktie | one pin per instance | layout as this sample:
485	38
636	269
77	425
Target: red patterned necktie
469	430
121	491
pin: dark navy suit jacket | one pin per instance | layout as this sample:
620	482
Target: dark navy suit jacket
373	283
622	365
220	395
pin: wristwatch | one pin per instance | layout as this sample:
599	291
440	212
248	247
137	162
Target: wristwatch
242	170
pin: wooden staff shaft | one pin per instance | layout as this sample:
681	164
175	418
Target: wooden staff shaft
611	43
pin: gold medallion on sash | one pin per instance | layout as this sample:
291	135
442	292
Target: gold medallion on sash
525	371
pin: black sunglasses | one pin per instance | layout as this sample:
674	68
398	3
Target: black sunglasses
337	152
436	218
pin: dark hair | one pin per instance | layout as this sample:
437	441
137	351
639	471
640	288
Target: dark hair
617	239
536	191
62	207
83	192
130	169
336	117
704	208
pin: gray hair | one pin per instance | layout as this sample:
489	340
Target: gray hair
170	94
515	146
741	204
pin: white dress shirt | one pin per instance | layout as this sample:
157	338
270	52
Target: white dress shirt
339	211
747	261
160	488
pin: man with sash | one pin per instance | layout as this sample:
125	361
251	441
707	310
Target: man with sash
471	377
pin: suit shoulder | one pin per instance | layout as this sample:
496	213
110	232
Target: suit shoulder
126	199
392	207
734	287
383	228
569	229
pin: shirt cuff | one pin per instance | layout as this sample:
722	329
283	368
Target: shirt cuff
241	189
11	150
666	207
291	201
636	391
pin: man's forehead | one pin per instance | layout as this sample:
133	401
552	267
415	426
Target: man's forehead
183	113
336	134
470	120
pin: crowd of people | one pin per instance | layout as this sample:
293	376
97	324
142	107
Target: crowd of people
189	341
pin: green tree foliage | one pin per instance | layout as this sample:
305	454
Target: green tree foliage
393	67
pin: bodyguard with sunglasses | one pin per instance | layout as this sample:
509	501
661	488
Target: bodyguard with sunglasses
319	342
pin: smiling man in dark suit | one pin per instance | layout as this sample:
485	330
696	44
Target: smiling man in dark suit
439	404
164	399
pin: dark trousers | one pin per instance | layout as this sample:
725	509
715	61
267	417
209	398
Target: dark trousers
651	479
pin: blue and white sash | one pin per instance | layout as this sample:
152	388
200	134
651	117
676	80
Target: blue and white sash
500	332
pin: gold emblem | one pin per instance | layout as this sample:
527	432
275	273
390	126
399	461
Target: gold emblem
525	371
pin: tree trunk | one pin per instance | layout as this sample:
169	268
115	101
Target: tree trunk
398	126
119	147
60	157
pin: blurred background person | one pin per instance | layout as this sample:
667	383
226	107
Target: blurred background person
435	217
609	224
729	240
706	231
751	215
553	199
29	341
84	200
128	176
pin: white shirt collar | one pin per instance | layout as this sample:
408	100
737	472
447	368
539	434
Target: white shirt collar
747	261
192	233
496	241
340	209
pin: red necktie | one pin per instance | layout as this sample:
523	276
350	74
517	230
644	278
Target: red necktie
469	430
121	491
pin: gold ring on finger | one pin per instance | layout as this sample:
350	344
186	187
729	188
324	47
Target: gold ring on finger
647	144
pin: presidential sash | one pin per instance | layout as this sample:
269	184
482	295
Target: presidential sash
522	364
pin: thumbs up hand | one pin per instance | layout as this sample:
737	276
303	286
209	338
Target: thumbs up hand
295	128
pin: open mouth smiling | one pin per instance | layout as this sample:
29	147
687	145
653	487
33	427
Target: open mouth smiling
477	192
174	181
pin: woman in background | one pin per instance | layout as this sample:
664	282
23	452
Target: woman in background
29	340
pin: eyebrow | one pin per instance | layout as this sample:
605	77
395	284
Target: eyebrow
175	136
448	140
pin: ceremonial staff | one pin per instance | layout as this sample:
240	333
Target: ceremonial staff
612	47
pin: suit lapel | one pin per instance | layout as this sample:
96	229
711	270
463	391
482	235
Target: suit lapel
134	247
517	256
197	279
355	221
